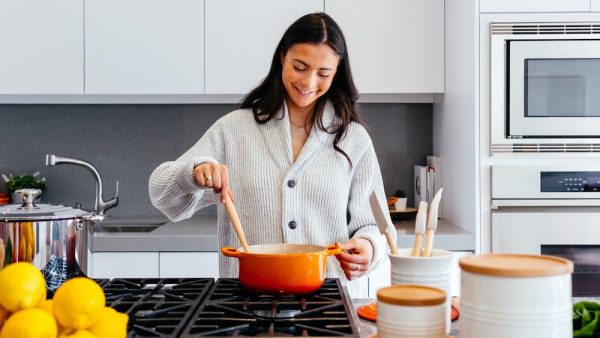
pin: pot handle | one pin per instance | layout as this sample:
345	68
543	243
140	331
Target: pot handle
231	252
334	249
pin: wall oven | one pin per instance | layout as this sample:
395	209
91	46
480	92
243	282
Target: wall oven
545	85
553	210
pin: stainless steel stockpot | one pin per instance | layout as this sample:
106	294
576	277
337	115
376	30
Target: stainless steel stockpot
52	237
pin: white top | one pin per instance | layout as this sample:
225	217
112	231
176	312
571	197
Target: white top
328	201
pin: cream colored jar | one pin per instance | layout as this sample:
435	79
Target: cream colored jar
434	271
516	296
411	311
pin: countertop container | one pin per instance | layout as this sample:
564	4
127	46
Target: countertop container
434	271
516	296
411	311
52	237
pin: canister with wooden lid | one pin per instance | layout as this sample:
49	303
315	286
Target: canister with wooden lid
411	311
515	295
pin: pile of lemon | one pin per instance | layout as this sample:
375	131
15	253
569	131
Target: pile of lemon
78	309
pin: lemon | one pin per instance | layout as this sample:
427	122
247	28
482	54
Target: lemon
23	286
46	305
78	303
3	316
30	323
76	334
111	324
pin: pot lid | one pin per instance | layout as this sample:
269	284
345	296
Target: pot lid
411	295
516	265
28	211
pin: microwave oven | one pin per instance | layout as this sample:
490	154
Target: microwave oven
545	87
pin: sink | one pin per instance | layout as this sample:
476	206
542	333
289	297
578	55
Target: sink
127	226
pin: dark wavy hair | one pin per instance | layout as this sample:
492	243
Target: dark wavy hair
267	99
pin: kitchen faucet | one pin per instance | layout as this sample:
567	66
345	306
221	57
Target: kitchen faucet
101	204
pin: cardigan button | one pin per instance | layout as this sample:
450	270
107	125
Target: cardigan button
292	225
291	183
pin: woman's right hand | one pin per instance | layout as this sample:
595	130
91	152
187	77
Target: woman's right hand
214	176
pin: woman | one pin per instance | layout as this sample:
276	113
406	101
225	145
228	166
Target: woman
296	156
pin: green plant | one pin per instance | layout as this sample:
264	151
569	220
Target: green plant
400	194
25	181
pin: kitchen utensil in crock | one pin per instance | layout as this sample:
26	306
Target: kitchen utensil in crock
283	268
420	222
52	237
383	222
235	221
432	222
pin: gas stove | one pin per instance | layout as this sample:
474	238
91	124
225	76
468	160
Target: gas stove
204	307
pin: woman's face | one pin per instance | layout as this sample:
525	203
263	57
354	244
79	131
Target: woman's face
307	73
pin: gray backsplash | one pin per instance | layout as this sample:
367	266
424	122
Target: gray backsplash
126	142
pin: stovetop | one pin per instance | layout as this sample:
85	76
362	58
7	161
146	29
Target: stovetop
204	307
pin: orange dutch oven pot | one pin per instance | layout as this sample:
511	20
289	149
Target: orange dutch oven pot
283	268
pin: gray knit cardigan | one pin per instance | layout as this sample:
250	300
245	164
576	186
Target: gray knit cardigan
326	197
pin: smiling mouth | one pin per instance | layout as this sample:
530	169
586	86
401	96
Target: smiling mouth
303	92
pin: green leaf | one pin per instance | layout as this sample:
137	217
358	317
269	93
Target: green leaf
586	317
400	193
588	329
25	182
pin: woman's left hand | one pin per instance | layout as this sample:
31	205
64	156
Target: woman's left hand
355	258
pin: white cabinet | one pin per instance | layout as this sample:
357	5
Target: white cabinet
595	5
395	46
241	37
189	264
124	265
153	265
533	6
144	47
41	47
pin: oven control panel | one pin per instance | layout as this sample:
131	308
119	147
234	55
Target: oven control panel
570	181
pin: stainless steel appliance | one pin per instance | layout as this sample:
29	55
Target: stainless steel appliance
428	180
550	209
52	237
204	307
545	79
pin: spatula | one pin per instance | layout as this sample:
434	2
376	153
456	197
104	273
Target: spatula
432	221
235	221
382	222
420	223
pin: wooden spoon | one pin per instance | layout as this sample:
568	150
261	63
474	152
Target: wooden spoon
235	221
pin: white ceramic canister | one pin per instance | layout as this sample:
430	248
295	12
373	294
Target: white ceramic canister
516	296
434	271
411	311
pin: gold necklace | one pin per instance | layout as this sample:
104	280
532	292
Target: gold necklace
297	125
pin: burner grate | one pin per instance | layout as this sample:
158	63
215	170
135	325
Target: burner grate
231	311
156	307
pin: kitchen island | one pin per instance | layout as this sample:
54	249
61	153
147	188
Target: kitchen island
199	233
